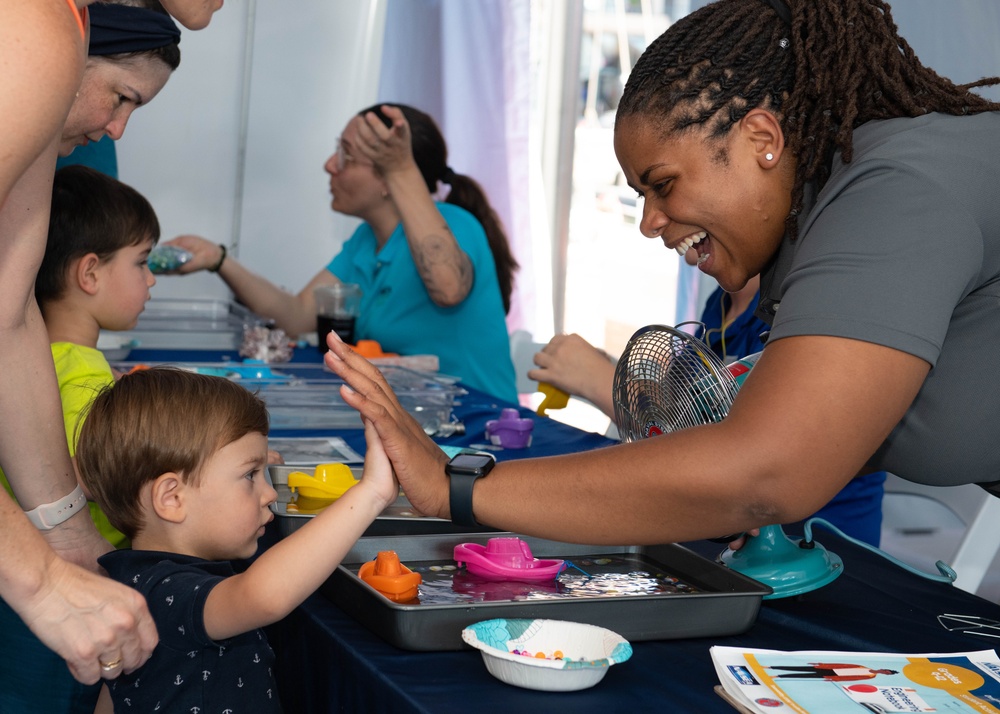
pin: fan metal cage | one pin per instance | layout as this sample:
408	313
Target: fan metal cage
667	380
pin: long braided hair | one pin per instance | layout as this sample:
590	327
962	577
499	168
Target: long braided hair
839	64
431	156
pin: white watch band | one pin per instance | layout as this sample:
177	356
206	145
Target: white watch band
49	515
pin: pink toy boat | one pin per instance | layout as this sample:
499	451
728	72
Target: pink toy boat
506	559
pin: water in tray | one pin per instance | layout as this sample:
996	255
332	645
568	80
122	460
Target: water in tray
602	576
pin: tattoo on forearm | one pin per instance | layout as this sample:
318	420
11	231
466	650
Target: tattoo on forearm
439	260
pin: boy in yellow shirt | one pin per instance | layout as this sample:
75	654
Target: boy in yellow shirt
94	276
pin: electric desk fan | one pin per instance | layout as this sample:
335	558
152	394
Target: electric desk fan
668	380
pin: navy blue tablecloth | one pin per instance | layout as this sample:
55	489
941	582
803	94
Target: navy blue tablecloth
327	662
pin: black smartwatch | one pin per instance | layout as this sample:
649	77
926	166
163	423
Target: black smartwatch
463	470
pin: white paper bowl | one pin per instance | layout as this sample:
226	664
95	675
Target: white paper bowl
587	650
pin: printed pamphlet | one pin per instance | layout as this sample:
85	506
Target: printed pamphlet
824	682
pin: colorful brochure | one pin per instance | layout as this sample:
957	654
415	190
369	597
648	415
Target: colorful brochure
824	682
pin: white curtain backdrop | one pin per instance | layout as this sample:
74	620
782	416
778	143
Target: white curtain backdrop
467	65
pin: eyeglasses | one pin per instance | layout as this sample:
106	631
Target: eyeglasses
344	157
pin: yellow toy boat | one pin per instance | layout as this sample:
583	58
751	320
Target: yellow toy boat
329	483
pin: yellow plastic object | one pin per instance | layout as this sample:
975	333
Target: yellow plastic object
307	506
329	483
390	577
555	398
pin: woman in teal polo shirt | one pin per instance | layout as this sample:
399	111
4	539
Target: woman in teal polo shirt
436	277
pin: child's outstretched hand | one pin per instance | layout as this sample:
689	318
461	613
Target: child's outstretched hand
377	472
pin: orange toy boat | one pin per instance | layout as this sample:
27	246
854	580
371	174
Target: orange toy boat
390	577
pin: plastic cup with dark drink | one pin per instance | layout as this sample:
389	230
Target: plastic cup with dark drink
336	310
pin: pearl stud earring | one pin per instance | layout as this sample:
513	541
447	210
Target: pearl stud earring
769	156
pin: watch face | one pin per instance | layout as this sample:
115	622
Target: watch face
470	463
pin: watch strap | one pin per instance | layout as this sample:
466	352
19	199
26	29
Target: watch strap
460	498
49	515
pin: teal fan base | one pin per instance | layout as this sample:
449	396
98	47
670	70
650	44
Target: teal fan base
778	561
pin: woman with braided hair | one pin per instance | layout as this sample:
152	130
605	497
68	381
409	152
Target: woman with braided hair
804	141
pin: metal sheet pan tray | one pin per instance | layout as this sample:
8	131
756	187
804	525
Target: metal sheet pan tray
195	324
398	518
657	592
